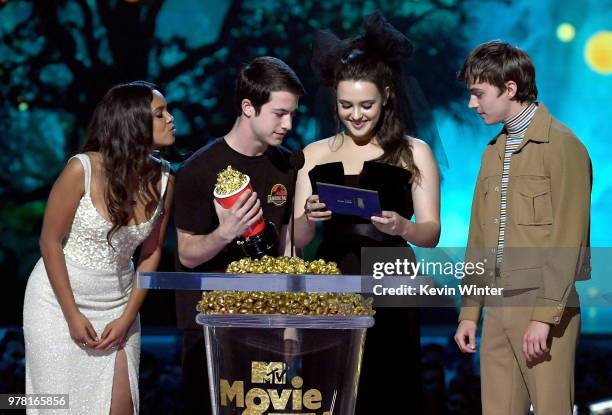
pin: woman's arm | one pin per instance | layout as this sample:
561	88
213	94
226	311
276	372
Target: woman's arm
151	252
115	333
304	229
425	230
305	221
59	214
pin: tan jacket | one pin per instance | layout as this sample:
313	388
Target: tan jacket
548	217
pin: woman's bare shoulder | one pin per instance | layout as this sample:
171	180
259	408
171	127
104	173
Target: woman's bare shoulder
418	145
74	169
421	151
317	150
72	178
95	159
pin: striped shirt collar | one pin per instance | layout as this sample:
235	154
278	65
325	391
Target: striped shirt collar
517	125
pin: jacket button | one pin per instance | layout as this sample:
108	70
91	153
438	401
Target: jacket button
497	188
495	220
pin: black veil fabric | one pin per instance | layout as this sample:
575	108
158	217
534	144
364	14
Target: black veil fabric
328	50
381	41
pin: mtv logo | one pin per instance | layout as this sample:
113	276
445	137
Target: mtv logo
274	373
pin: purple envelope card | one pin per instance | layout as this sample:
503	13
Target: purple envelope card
349	200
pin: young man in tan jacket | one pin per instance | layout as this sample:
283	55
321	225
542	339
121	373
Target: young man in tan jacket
530	226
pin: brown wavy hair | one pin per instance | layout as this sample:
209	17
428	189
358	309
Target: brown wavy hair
498	62
390	132
121	130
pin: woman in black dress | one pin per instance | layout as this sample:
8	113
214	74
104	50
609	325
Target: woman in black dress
375	150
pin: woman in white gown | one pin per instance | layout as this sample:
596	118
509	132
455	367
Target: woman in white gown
80	316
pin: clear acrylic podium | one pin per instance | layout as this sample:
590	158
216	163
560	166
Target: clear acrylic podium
275	363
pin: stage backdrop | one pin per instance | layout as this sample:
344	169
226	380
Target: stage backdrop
58	58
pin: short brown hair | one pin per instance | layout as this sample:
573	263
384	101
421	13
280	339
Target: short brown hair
498	62
262	76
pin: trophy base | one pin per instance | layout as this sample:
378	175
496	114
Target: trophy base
271	356
264	243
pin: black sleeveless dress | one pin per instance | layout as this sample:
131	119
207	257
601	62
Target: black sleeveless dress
390	381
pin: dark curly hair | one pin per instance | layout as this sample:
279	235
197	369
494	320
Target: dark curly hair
121	130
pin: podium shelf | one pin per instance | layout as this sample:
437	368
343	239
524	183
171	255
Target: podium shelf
285	321
204	281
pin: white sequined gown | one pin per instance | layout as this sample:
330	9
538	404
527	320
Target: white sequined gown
101	279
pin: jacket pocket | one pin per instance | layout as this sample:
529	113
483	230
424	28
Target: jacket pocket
533	203
519	279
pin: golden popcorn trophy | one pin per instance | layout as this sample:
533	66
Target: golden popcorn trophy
283	335
260	238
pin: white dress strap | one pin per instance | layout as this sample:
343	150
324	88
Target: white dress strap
166	169
84	159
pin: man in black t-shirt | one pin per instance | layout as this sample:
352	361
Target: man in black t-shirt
267	94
